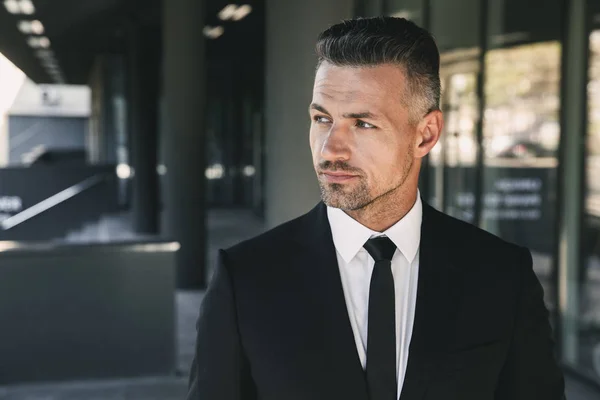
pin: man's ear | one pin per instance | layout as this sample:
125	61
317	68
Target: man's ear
429	130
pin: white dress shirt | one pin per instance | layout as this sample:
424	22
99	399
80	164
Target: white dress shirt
356	267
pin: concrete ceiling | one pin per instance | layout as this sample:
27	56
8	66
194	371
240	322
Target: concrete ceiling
79	30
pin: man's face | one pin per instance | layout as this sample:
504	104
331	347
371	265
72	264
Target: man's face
362	143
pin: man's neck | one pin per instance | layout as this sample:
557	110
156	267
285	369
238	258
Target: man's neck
386	211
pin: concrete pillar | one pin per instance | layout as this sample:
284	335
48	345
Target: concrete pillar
574	104
105	83
144	72
292	30
184	98
113	88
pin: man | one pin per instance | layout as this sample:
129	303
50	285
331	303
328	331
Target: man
374	295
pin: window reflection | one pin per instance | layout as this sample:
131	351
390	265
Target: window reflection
589	324
522	125
521	134
454	158
593	141
461	119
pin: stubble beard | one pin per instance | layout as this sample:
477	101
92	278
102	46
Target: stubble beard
356	198
339	196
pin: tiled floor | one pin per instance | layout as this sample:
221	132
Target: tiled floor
226	228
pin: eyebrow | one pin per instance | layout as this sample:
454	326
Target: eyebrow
360	115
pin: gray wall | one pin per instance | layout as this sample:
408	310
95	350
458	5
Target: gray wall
292	29
27	132
80	312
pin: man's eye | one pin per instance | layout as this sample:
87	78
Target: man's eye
321	120
364	125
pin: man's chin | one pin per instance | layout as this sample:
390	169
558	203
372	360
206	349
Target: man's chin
332	203
341	202
332	200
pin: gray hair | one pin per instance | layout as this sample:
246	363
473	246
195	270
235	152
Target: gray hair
365	42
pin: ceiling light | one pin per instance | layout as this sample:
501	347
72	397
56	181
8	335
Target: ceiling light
19	7
44	42
227	12
12	6
24	27
249	170
27	7
41	42
215	171
50	65
123	171
242	12
36	27
34	42
44	54
31	27
213	32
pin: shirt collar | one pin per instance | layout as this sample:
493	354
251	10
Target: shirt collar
349	235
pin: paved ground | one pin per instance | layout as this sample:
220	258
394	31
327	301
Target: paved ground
226	228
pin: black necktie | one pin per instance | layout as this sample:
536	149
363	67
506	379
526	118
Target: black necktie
381	336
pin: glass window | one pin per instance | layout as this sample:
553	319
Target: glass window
521	136
521	123
452	163
589	324
457	150
451	168
521	129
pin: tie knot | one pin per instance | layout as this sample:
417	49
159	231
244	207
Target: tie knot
380	248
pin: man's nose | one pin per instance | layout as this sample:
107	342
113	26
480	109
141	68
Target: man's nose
336	145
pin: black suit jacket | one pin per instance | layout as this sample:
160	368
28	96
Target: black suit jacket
274	324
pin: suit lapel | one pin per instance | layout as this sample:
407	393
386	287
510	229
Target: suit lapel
438	295
347	376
